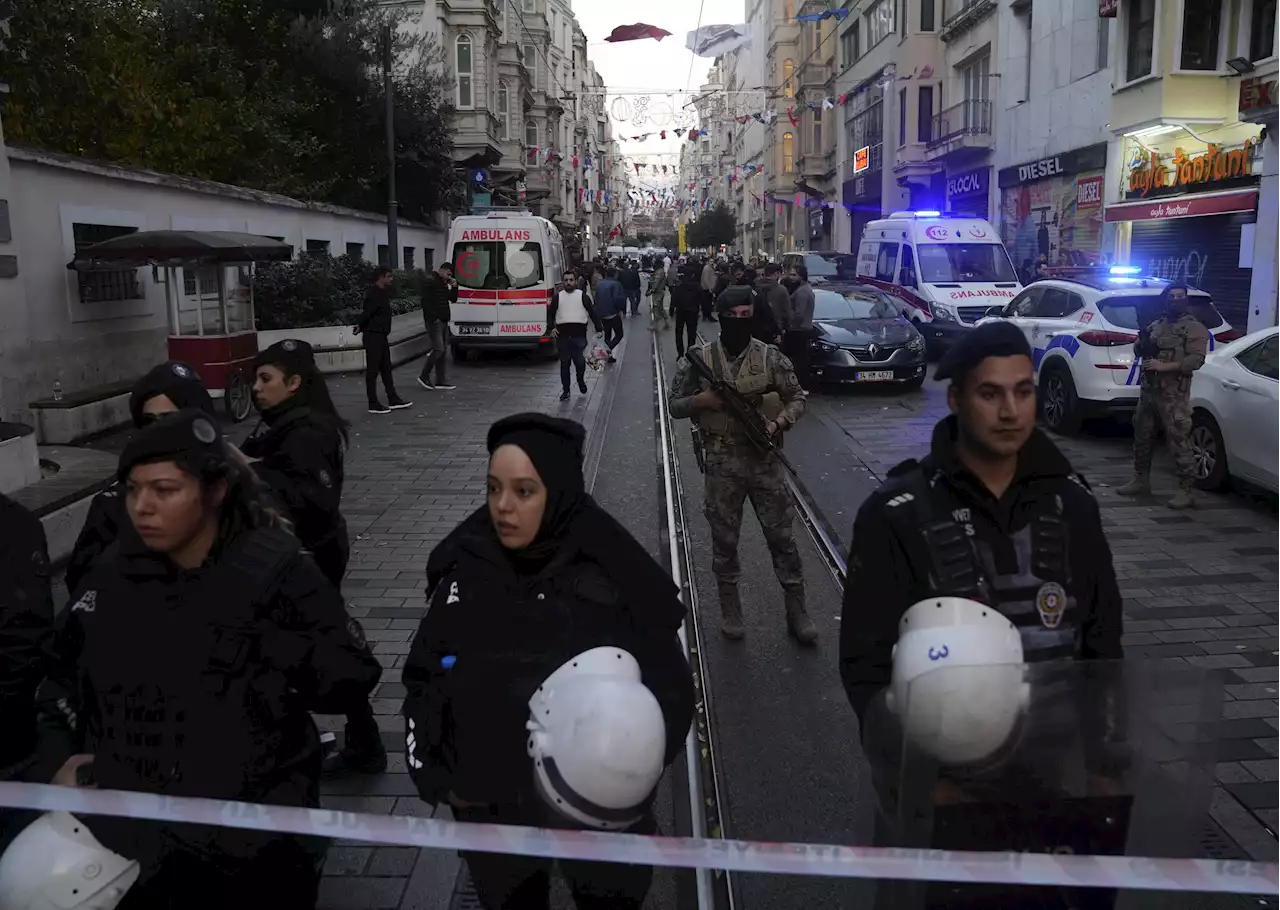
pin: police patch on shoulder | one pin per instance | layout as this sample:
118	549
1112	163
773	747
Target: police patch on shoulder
1051	601
356	631
182	371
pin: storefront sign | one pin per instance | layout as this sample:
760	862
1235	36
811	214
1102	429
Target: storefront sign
1090	158
862	159
1216	164
1258	96
1184	206
1089	193
969	183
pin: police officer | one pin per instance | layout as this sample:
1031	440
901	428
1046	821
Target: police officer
163	390
1172	349
994	513
196	649
298	450
735	468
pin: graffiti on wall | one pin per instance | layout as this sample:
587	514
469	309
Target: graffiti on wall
1189	269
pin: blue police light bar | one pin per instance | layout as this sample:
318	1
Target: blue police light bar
1125	270
928	214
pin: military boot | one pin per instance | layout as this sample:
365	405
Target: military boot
730	612
1139	486
1183	499
799	624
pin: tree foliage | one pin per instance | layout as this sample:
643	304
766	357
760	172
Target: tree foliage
280	95
713	227
318	289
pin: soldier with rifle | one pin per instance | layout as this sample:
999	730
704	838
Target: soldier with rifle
742	395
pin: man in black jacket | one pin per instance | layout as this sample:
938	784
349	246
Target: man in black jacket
993	513
438	291
629	276
375	323
687	299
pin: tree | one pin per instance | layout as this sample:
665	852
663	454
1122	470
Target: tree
279	95
712	228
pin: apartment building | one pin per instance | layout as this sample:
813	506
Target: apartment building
782	53
745	81
814	116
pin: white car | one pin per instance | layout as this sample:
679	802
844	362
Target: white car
1234	406
1082	327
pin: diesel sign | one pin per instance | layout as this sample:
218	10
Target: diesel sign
1039	170
1092	158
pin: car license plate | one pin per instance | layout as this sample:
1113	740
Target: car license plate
874	376
473	329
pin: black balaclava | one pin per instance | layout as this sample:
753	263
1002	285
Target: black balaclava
554	445
178	382
735	331
1172	309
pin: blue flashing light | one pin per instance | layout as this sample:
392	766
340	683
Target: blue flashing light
1125	270
928	214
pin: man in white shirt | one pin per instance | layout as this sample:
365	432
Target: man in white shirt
569	312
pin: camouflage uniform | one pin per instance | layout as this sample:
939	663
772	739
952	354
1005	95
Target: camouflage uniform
737	470
1165	396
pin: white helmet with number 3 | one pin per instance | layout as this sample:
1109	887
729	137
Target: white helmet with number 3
598	740
57	864
959	684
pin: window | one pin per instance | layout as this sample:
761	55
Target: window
100	286
924	115
504	111
879	22
964	262
531	61
887	263
195	281
1262	29
1104	42
976	79
355	250
462	61
926	15
902	117
1201	34
498	265
317	246
384	254
1261	358
1027	33
407	262
531	142
788	70
428	258
788	153
902	19
1140	21
1055	303
1024	304
817	132
849	47
527	6
907	268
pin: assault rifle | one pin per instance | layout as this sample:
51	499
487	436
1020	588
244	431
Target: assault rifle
742	409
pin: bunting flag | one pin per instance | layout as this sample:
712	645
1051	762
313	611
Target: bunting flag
717	40
837	14
637	32
791	115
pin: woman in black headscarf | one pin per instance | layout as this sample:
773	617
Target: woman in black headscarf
535	577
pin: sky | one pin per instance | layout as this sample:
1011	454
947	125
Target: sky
632	67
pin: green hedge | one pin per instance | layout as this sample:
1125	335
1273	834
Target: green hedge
318	289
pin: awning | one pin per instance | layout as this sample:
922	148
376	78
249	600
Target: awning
1194	206
177	248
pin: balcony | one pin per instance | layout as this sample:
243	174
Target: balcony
972	13
966	125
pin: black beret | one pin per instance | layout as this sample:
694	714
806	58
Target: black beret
176	381
294	354
991	339
182	432
566	433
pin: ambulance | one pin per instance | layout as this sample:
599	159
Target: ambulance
945	272
507	264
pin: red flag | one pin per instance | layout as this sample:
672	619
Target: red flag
791	114
636	32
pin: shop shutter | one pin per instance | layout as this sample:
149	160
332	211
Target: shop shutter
1203	252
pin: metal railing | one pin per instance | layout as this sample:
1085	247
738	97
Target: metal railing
968	118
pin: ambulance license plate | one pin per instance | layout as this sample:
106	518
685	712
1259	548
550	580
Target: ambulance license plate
473	329
874	376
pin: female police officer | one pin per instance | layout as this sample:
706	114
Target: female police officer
299	453
196	649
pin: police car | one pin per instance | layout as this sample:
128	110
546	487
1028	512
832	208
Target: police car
1082	325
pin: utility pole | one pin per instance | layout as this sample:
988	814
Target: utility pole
393	215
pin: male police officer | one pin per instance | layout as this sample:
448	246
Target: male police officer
737	469
1172	349
993	513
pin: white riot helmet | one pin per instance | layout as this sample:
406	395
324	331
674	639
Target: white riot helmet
959	686
57	864
597	739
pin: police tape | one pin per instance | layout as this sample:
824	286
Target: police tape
1127	872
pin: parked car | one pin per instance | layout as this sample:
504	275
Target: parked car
1234	405
1082	328
824	265
859	335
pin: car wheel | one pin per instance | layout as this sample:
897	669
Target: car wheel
1058	401
1208	452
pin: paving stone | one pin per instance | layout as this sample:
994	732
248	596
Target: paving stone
1261	769
346	860
393	861
351	892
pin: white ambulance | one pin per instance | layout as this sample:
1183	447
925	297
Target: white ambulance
945	272
507	264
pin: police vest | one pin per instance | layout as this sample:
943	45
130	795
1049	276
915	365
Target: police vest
752	382
945	560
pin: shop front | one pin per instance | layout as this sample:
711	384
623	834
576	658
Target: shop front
1189	215
1260	103
1051	209
968	193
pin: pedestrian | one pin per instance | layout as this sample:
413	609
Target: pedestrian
569	312
1172	348
800	323
686	302
994	513
629	277
776	297
166	387
611	305
196	652
375	325
531	579
709	278
657	305
26	652
439	290
298	451
763	324
736	469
